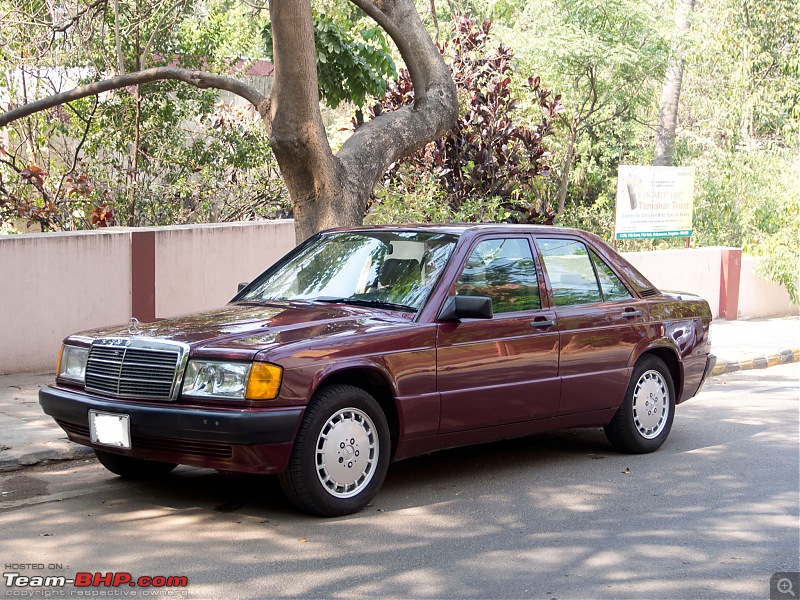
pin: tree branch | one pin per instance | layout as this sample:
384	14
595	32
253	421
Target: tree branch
157	28
199	79
414	49
11	164
380	18
72	20
88	123
367	154
118	40
435	19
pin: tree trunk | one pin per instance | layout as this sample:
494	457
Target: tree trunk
671	93
137	126
331	191
568	158
298	138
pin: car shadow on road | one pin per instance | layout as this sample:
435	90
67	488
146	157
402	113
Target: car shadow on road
552	515
254	494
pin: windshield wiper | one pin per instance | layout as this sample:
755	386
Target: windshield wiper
364	302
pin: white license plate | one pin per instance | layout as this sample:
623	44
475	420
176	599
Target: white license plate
110	429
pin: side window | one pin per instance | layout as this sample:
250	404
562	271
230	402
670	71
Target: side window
502	269
570	271
612	287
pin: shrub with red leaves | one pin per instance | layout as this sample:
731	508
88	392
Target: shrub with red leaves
488	153
102	216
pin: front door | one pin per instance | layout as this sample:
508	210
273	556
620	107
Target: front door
504	369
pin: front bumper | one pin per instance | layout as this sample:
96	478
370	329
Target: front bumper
254	441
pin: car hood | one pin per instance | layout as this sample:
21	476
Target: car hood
243	330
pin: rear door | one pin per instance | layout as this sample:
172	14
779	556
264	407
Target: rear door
504	369
599	323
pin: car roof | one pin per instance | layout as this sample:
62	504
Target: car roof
461	228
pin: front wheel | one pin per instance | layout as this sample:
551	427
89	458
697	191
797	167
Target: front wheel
644	418
132	468
340	455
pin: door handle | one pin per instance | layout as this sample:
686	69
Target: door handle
631	313
543	323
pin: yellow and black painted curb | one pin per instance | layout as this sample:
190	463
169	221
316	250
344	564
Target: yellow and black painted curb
757	362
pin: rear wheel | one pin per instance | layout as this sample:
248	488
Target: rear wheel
133	468
340	455
644	418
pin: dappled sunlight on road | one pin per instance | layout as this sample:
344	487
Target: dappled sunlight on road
556	515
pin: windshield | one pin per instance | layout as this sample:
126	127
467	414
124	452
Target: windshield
396	269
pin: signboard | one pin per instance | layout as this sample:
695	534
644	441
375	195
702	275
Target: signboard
654	202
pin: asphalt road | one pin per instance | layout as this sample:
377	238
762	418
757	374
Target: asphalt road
713	514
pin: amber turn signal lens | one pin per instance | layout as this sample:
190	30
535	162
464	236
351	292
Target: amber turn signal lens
60	356
264	382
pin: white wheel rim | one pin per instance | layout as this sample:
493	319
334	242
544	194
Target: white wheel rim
650	404
347	453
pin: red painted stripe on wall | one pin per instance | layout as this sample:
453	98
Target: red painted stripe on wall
730	276
143	275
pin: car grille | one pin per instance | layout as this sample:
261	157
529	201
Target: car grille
134	368
185	447
191	448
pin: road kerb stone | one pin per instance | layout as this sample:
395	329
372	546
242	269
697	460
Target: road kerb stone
757	362
61	451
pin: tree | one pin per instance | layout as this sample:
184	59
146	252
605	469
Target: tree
138	154
326	189
671	94
604	60
740	126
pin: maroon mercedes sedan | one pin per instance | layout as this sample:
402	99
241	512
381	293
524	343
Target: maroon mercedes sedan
368	345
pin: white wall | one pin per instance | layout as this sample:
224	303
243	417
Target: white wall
760	297
200	266
55	284
691	270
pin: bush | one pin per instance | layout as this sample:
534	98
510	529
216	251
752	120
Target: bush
489	166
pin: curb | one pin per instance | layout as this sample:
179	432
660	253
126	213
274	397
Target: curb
757	362
65	451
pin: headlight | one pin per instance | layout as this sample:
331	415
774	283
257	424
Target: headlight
214	379
236	381
72	363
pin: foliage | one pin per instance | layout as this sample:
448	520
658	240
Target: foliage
743	80
425	203
739	119
224	171
489	166
180	167
353	59
597	218
751	199
782	251
608	64
741	129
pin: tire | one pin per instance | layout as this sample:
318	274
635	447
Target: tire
644	419
340	455
132	468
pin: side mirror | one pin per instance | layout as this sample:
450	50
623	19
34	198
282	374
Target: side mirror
242	285
466	307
